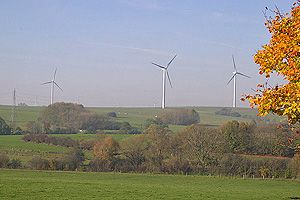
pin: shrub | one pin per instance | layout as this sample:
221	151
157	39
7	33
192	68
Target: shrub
295	166
44	138
238	135
179	117
155	121
93	122
4	160
176	165
106	148
34	127
237	165
39	163
87	144
126	128
57	164
232	164
134	149
70	162
202	147
273	139
18	131
134	130
74	159
111	114
4	128
99	165
15	164
66	117
228	112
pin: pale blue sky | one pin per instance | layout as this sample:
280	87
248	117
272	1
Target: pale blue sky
103	50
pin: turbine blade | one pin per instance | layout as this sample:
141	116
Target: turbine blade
234	66
57	85
230	79
171	61
158	65
243	74
169	79
46	83
54	74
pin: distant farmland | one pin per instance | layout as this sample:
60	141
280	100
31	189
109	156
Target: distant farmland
138	116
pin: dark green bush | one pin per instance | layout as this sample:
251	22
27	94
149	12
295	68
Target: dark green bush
39	163
111	114
15	164
179	117
44	138
4	128
155	121
4	160
228	112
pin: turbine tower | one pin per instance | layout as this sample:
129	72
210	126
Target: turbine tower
53	83
165	74
235	73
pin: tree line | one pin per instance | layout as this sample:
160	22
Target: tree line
230	150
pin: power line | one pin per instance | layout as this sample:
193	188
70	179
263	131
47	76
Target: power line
13	110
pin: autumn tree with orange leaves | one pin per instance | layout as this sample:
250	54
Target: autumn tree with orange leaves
281	57
106	148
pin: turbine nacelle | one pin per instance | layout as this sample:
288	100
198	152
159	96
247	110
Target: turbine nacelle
236	72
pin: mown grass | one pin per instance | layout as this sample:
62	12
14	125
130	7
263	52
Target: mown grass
80	136
22	184
22	114
14	147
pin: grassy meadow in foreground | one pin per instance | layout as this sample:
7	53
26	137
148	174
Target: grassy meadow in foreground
22	184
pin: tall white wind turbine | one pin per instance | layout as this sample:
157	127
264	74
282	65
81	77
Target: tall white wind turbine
235	73
53	83
165	74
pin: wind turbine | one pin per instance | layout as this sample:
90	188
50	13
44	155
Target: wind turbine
235	73
52	82
165	74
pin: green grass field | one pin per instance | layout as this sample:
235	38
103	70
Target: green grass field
14	147
118	137
23	114
22	184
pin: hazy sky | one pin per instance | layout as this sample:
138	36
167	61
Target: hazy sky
103	50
